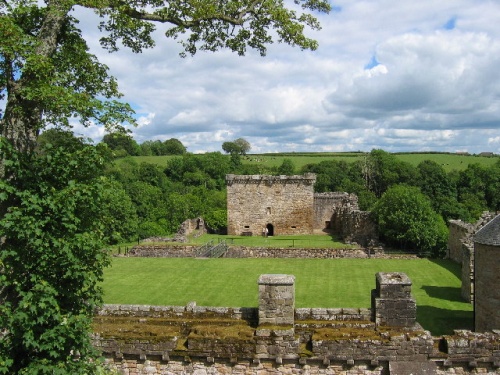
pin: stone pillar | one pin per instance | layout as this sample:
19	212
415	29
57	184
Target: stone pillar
276	299
392	303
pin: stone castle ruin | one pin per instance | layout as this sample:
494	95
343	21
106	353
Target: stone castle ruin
461	250
278	338
281	204
476	247
487	277
285	205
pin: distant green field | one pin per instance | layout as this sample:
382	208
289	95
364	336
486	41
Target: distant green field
319	283
448	161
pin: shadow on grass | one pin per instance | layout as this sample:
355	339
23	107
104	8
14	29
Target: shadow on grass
449	265
443	321
444	292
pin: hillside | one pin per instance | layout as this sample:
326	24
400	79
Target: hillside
448	161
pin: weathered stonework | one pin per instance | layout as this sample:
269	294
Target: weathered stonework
282	204
276	299
327	205
162	251
339	213
234	251
461	233
288	205
467	274
200	340
392	302
461	250
487	277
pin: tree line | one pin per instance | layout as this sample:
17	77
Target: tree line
411	205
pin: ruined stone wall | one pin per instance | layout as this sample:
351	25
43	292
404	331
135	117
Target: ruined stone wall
195	366
249	314
461	233
487	287
291	252
283	203
162	251
467	274
179	251
392	302
277	339
326	207
359	227
461	250
339	213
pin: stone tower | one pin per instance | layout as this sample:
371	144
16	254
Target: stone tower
487	277
281	204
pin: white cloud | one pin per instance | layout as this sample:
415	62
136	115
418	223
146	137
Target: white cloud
388	74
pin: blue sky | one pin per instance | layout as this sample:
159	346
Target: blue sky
391	74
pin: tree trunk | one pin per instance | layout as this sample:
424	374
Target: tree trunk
23	118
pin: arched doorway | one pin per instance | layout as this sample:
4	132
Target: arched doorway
270	229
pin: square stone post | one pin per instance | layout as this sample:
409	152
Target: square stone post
392	302
276	299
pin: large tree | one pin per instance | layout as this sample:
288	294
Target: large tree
122	144
406	219
48	76
239	146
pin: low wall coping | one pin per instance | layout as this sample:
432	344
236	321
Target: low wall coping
276	279
399	278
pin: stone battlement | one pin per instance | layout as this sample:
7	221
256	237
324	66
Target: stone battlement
308	179
279	339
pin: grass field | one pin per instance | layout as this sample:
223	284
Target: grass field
448	161
302	241
319	283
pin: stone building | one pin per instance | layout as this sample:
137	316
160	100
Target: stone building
285	205
461	249
339	213
277	338
487	277
278	204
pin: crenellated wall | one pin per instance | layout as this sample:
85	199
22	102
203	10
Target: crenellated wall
276	338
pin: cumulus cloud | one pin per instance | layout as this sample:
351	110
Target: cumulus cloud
402	76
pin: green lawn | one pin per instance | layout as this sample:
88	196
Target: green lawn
319	283
448	161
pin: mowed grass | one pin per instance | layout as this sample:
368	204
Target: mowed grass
319	283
